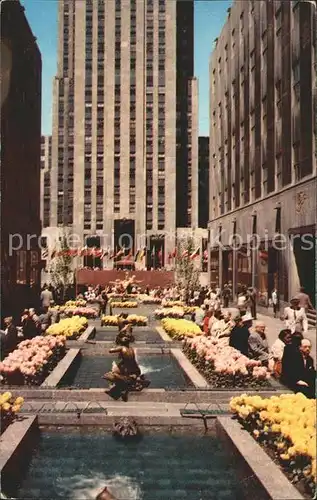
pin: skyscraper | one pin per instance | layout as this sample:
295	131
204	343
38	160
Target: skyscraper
263	148
125	132
21	75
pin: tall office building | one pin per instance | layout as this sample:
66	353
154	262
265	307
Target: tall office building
263	147
46	165
125	130
21	75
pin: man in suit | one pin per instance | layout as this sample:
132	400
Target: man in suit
298	371
239	336
46	296
11	335
258	345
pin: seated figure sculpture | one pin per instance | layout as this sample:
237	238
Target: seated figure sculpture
125	374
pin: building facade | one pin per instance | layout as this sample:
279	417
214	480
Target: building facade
21	70
203	179
46	165
263	149
125	129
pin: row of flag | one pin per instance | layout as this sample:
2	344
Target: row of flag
185	254
138	257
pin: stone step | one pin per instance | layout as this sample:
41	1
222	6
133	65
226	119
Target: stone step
311	316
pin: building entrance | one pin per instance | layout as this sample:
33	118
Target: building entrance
304	248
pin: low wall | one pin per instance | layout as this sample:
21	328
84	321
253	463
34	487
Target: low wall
15	447
57	374
263	479
104	277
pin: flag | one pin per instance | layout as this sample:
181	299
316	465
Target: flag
82	251
121	252
129	255
195	253
104	253
98	252
141	255
53	254
184	254
136	255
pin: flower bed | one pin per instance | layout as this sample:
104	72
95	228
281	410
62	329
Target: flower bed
124	304
123	296
190	309
173	303
145	299
173	312
286	427
76	303
31	362
70	328
9	407
86	312
73	310
132	318
180	328
223	366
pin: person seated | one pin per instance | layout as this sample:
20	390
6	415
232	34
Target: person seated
225	325
29	327
298	372
35	318
207	317
45	319
55	314
199	316
216	323
258	344
239	335
277	350
11	336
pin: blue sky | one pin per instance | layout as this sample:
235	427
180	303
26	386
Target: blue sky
209	19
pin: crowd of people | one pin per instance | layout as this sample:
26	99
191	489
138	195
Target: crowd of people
288	358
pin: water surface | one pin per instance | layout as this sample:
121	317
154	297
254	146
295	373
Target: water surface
162	370
160	466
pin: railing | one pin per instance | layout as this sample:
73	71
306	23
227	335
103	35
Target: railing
61	407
